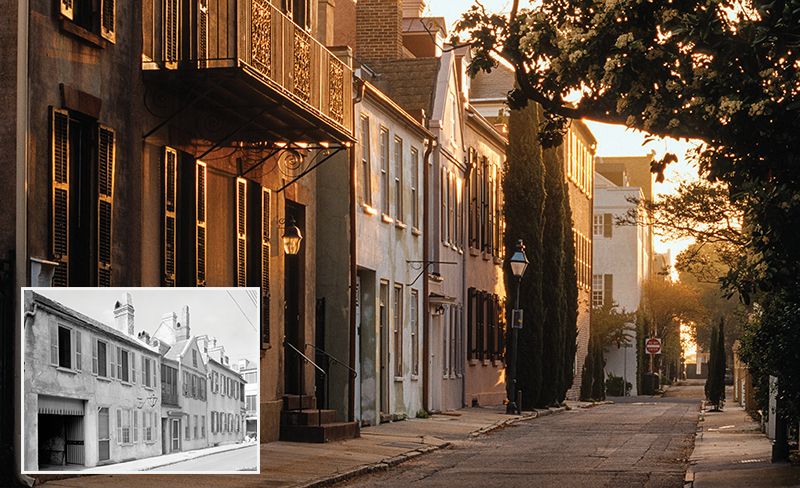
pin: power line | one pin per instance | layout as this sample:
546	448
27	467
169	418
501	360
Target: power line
240	309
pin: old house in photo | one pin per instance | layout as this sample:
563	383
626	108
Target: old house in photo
91	392
226	406
249	372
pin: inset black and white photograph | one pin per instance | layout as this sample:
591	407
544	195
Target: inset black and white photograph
130	380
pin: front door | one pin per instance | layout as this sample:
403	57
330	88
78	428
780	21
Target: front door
383	318
176	435
73	428
103	435
293	318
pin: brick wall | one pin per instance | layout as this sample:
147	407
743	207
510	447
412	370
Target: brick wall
379	30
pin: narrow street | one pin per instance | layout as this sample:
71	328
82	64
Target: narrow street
236	460
637	442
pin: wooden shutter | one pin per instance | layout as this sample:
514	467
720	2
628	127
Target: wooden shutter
607	225
135	426
53	343
490	210
76	339
202	33
608	290
169	211
132	361
94	355
201	178
66	8
59	211
106	149
171	35
265	254
241	232
111	354
108	18
501	329
119	426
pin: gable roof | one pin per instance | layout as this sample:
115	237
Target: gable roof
411	83
89	322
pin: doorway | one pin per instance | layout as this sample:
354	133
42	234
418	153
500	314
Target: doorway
294	330
175	435
61	440
383	325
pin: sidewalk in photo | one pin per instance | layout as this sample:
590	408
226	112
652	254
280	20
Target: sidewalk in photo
155	462
731	452
293	464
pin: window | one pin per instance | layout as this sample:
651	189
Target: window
597	227
397	327
251	403
93	18
250	377
443	201
103	434
194	385
82	181
148	372
194	358
123	426
169	385
414	311
415	188
213	422
366	166
186	384
188	430
196	427
597	290
149	421
446	342
65	347
123	366
398	179
451	221
474	178
384	148
100	358
202	426
135	426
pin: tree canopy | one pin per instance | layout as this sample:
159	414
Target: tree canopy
722	71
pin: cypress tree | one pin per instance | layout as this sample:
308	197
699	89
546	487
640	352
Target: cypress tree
721	366
570	306
523	190
587	373
553	272
599	372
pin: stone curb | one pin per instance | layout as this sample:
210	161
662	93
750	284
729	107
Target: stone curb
374	467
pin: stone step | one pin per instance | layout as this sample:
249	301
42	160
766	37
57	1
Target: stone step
308	417
320	433
293	402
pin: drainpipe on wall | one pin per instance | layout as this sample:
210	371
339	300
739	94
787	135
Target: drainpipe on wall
426	322
359	95
21	196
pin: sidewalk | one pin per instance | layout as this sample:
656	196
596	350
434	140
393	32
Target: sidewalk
155	462
292	464
731	452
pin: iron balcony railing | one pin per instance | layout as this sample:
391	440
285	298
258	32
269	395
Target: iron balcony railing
255	36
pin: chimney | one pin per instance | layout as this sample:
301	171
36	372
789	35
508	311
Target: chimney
379	30
414	8
123	314
185	331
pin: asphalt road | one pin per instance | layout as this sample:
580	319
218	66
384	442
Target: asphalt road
636	442
236	460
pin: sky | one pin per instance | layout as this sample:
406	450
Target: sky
225	313
612	140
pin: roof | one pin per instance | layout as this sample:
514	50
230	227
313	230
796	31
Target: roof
90	322
177	349
492	86
227	368
411	83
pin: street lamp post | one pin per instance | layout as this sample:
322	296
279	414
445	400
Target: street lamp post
518	263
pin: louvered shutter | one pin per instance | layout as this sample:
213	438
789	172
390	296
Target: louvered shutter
135	426
490	211
171	23
608	290
94	355
265	254
66	8
111	354
501	329
76	339
607	225
241	232
169	210
54	344
133	367
201	178
59	225
106	155
202	33
108	19
119	426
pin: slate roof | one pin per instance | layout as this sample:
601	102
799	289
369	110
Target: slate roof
496	84
411	83
88	321
177	349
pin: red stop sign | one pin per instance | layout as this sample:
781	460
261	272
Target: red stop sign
653	345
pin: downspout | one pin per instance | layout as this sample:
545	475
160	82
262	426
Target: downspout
21	245
359	90
465	190
426	321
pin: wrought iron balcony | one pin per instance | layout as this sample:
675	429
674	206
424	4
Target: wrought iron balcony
251	61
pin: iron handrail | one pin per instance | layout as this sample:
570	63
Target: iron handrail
303	377
332	357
